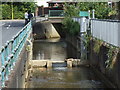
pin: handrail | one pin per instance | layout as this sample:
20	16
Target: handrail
106	20
106	30
10	52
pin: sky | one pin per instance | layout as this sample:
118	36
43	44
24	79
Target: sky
42	2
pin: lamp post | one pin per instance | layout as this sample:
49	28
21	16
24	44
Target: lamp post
93	13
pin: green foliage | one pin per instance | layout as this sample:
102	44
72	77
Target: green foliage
71	10
87	40
17	14
19	8
71	26
85	6
6	14
102	10
111	54
98	44
0	12
113	12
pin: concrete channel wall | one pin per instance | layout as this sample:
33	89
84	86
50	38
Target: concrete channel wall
95	60
44	29
108	66
18	75
109	76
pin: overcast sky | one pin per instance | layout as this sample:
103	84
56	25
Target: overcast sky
42	2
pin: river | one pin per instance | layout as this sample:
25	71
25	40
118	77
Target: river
59	76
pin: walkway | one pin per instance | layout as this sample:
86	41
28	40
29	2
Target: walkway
9	28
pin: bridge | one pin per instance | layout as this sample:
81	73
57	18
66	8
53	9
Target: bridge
10	52
19	49
56	16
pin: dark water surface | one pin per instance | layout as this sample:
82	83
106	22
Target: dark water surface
60	76
53	49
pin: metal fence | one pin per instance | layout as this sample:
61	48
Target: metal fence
10	52
56	13
106	30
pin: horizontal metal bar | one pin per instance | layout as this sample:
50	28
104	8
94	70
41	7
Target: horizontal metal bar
106	20
11	51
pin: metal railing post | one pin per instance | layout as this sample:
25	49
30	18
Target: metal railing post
10	52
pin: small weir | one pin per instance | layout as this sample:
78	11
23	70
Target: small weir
60	76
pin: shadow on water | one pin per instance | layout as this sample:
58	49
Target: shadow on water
53	49
59	76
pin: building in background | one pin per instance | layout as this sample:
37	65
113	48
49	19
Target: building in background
52	5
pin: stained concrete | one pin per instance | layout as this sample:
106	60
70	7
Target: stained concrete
98	62
44	29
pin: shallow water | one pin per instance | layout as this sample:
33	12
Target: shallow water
63	77
59	76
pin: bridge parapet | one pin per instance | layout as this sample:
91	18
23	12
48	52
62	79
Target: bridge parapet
9	54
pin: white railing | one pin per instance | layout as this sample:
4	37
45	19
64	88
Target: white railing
106	30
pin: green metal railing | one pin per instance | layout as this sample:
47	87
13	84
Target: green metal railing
56	13
10	52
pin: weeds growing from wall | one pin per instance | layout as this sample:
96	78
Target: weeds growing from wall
98	44
112	54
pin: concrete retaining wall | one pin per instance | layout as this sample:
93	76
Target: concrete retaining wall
44	29
98	61
74	41
19	73
17	77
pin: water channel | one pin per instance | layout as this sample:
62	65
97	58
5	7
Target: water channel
59	76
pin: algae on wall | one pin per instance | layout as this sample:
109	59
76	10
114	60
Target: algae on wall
44	29
106	59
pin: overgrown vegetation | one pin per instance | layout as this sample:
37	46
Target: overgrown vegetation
112	54
98	44
102	11
17	8
70	26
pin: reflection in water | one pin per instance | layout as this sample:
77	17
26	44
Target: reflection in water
60	77
53	49
49	49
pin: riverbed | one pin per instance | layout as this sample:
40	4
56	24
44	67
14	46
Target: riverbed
60	76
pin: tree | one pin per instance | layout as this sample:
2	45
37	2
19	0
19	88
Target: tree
102	11
19	8
69	25
6	11
118	6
